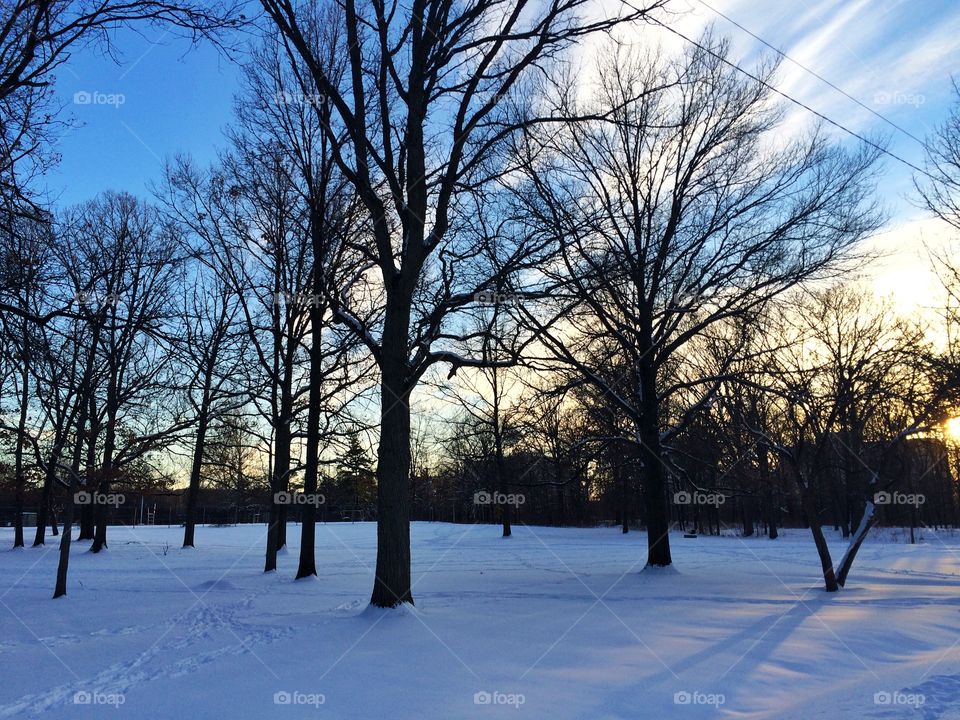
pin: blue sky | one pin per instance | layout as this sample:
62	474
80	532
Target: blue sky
160	99
894	55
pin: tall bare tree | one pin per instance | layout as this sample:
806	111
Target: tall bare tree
424	105
247	215
123	262
275	105
488	398
676	211
209	348
25	270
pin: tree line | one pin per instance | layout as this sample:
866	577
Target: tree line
634	285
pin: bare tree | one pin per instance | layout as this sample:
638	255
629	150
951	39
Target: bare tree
939	186
210	353
277	107
57	368
851	387
25	270
123	264
939	190
425	110
247	215
87	377
488	398
298	211
676	210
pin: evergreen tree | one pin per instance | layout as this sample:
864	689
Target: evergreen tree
355	482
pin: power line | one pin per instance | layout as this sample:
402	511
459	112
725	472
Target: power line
819	77
799	103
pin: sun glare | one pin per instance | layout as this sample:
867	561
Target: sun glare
952	427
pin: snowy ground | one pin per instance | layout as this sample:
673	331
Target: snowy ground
552	623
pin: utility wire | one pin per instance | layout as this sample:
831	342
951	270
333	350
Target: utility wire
819	77
799	103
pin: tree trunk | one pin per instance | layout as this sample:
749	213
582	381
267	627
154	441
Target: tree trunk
658	514
621	481
64	563
278	484
273	520
46	497
392	583
62	566
284	439
826	562
913	524
505	509
87	520
283	516
746	507
39	537
87	525
308	525
194	490
654	476
560	502
106	472
18	517
20	478
863	529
